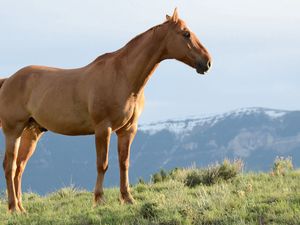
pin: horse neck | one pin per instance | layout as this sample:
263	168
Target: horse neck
141	56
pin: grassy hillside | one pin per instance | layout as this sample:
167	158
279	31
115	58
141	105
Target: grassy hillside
184	196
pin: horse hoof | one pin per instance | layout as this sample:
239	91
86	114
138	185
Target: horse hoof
22	210
14	209
127	199
99	201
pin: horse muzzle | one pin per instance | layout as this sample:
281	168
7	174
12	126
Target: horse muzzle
203	68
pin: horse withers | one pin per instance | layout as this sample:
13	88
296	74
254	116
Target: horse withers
103	97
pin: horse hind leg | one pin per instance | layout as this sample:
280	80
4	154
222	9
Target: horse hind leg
29	139
12	142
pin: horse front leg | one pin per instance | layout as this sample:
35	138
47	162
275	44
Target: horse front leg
125	138
102	136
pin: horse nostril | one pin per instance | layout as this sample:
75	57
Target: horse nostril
208	64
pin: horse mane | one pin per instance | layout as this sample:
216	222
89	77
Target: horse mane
137	38
130	44
103	56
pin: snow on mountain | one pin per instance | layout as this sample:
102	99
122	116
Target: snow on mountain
179	126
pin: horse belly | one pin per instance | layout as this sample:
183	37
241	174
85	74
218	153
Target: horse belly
63	115
65	122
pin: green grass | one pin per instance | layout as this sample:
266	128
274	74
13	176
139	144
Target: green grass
249	198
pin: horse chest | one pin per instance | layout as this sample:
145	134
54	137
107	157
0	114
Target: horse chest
118	113
122	113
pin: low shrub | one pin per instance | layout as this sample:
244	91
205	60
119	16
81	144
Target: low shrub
149	210
141	180
162	175
65	192
194	176
225	171
282	166
228	170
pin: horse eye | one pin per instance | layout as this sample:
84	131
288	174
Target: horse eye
187	34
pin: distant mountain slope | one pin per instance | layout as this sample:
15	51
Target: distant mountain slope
257	135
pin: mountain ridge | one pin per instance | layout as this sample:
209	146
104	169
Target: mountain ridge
200	120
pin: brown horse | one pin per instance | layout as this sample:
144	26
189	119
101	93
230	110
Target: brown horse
103	97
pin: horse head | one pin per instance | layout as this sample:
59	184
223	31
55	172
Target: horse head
182	44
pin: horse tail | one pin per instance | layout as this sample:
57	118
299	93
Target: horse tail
1	83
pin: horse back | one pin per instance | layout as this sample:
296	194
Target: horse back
34	88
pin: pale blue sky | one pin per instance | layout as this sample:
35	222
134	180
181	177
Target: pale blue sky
255	46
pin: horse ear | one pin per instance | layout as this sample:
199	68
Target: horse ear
168	17
175	16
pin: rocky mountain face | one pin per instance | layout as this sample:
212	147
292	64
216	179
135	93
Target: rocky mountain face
256	135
